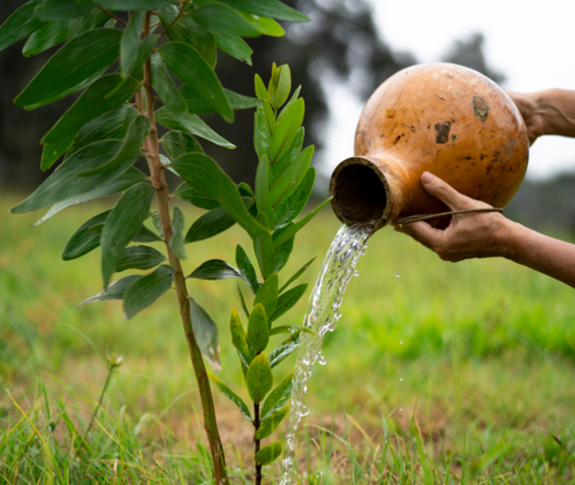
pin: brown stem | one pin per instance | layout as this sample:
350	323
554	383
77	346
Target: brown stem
157	176
257	442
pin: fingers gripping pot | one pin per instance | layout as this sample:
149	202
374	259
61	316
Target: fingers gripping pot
442	118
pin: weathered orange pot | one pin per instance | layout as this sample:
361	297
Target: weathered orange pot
442	118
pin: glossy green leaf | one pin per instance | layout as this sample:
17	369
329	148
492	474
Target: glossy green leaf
297	274
201	200
146	290
206	333
64	182
260	88
239	340
269	8
258	334
288	123
86	238
205	175
287	300
123	182
20	24
232	396
51	34
139	257
165	86
62	9
128	152
235	46
107	93
265	252
262	135
192	124
196	72
177	242
130	43
259	378
288	180
285	349
265	26
268	453
278	397
215	269
138	5
221	18
247	269
122	225
283	86
209	225
52	152
115	290
263	196
177	143
267	294
239	101
270	424
291	154
284	234
296	202
68	70
282	254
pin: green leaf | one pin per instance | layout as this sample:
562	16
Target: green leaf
51	34
265	26
268	8
122	225
51	153
129	151
64	183
177	143
232	396
130	43
220	18
192	124
235	46
119	184
139	5
209	225
196	73
286	212
239	340
189	194
86	238
269	425
215	269
289	156
259	378
263	199
239	101
282	254
262	134
20	24
288	180
247	269
285	349
297	274
287	300
206	333
288	123
258	330
283	235
177	242
260	88
268	453
115	290
146	290
105	94
278	397
265	252
75	64
139	257
62	9
204	174
283	86
165	86
267	294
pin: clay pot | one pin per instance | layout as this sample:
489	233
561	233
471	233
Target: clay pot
442	118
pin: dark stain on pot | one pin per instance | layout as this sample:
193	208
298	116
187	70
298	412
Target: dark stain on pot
480	108
442	130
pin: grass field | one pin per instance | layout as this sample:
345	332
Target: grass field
436	373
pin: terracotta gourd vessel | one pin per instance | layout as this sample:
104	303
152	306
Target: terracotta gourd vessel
442	118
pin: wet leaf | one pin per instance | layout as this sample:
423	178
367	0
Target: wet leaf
206	333
269	425
215	269
115	290
247	269
259	378
258	334
278	397
287	300
239	340
232	396
139	257
146	290
286	348
267	294
269	453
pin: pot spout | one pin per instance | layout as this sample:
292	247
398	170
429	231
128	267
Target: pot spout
365	192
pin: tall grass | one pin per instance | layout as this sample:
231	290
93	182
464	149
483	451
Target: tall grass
437	372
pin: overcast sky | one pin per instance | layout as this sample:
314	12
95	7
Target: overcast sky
531	42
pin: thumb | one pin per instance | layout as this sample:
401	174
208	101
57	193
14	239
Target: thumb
445	193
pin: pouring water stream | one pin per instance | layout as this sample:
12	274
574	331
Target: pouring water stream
321	316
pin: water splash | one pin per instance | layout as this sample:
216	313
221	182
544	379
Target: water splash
321	316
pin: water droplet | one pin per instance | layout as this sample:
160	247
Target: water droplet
401	342
321	360
400	409
397	275
401	379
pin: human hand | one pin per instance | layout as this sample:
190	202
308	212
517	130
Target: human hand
534	120
471	235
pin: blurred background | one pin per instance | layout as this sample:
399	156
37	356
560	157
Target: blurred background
339	58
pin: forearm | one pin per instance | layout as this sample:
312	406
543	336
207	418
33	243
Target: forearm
550	256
